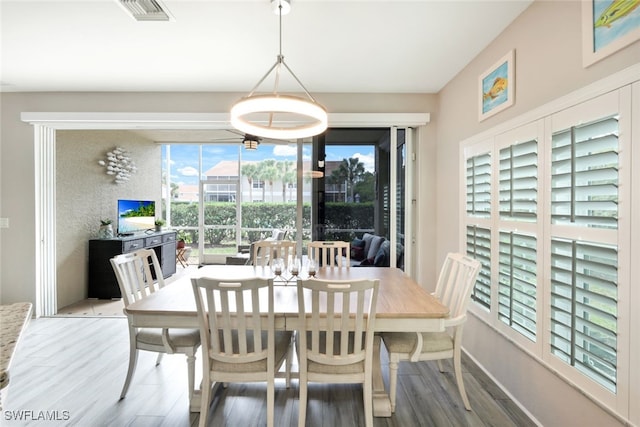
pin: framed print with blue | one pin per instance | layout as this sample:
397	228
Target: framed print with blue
608	26
497	87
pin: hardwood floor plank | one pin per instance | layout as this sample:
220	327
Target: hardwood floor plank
78	365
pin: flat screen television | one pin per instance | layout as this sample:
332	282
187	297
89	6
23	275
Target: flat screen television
135	216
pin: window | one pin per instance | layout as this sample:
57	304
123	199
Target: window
553	248
584	274
584	187
583	313
479	185
517	289
478	195
519	181
479	247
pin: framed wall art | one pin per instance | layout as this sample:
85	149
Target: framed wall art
608	26
497	87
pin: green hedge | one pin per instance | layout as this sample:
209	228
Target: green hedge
264	217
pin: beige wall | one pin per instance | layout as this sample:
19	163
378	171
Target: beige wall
85	194
547	43
17	274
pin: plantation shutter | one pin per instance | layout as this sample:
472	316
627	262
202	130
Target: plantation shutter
479	185
519	181
584	308
517	282
584	175
584	275
479	247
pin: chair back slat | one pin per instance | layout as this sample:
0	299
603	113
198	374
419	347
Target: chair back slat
233	319
338	317
265	251
330	253
138	273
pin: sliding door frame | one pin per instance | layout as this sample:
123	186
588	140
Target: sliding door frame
45	286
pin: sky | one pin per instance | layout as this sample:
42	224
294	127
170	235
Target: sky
184	157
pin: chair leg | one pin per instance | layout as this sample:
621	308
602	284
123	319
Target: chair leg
159	358
458	370
133	360
302	400
270	401
205	395
440	365
393	380
367	395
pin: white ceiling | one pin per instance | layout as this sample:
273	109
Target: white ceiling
362	46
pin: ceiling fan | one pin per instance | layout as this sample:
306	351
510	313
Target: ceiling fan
249	141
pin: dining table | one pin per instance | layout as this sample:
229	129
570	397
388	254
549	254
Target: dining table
402	306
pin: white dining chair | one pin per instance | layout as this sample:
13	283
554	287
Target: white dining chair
266	251
330	253
239	340
334	340
139	275
455	283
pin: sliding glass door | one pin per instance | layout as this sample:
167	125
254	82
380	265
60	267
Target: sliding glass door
220	197
367	188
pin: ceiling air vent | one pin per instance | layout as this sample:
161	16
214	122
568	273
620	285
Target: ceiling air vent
146	10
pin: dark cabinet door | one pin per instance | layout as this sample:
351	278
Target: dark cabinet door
102	280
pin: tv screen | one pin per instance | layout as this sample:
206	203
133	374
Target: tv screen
136	215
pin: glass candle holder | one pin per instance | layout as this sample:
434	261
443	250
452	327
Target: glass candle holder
277	266
311	267
295	266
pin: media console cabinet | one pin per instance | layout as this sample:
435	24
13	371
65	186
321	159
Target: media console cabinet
102	280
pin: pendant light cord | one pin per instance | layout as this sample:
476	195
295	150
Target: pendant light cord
276	66
280	29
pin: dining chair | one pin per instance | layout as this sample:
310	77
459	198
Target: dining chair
330	253
265	251
139	275
239	340
335	336
455	283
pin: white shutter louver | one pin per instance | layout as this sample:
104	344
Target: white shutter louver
517	280
479	247
584	308
584	175
519	181
479	185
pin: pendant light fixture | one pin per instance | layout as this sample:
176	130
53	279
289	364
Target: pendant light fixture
274	115
250	142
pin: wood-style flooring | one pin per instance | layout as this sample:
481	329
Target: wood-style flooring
70	370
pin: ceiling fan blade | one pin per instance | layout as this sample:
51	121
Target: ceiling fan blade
234	140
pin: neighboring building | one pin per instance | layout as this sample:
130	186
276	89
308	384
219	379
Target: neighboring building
222	181
186	193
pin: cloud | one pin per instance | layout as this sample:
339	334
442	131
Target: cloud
368	160
285	150
188	171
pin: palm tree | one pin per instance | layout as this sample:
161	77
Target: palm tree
268	173
351	171
287	176
250	170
